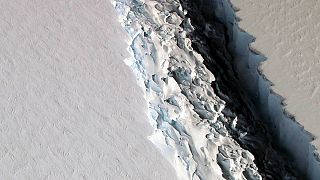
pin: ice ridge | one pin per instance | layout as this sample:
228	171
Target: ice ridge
191	125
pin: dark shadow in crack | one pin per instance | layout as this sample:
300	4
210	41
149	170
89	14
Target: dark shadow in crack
273	134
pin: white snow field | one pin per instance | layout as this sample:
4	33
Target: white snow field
287	34
70	107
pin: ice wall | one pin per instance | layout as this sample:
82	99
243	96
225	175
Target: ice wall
289	134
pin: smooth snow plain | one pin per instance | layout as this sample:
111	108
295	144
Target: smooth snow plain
70	107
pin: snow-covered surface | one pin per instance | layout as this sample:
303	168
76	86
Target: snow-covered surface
70	108
287	33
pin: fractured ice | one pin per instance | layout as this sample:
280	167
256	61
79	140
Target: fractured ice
191	124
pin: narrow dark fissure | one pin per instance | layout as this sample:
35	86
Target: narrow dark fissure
210	39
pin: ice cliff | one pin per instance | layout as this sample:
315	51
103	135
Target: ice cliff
288	135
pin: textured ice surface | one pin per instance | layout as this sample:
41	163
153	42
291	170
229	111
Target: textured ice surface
189	125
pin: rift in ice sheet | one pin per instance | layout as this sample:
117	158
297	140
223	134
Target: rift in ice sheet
189	57
191	127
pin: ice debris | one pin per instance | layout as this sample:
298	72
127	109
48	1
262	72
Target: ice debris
182	104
